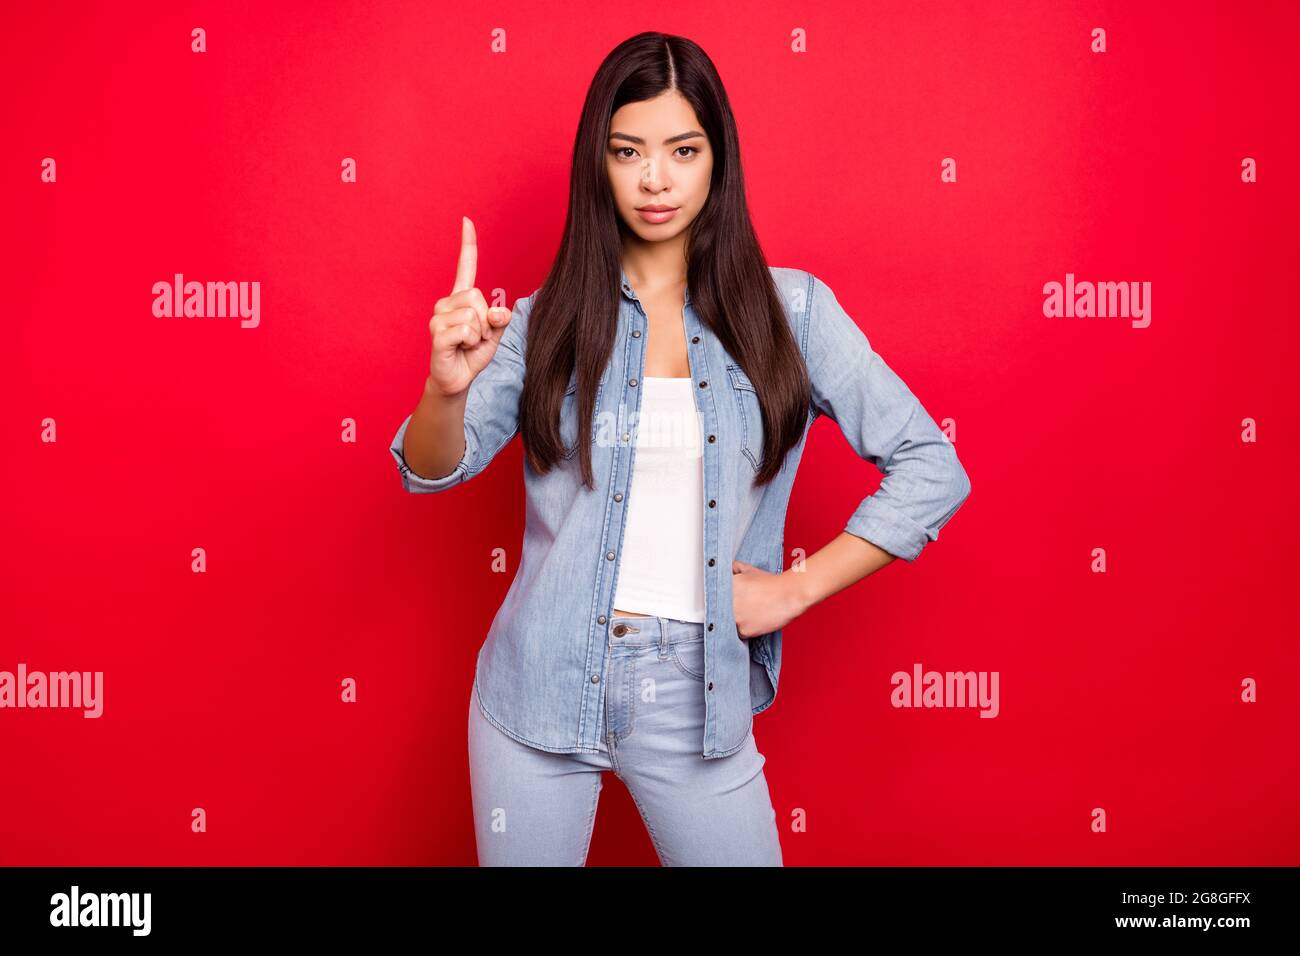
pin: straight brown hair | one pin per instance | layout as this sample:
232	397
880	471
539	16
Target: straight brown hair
573	319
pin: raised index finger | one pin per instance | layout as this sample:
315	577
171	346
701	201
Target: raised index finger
467	264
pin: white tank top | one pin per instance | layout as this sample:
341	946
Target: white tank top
662	568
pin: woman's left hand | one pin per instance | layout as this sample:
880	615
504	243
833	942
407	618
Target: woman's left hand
763	602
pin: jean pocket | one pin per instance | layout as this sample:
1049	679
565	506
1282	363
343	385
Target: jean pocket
689	657
750	413
569	418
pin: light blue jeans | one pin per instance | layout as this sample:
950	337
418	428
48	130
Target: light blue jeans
537	808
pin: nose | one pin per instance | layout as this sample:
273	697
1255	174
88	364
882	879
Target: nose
650	175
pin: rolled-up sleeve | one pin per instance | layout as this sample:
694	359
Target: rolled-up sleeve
491	411
923	483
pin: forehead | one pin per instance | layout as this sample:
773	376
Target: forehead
655	120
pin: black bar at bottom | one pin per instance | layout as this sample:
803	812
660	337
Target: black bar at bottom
129	905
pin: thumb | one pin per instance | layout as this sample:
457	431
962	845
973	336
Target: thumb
497	320
740	567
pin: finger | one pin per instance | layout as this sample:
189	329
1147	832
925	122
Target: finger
467	264
449	338
468	337
464	316
470	299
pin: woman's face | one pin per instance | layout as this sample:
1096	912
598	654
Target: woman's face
658	155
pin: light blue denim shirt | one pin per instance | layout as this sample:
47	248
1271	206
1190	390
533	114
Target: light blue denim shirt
540	672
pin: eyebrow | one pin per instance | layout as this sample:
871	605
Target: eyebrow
671	139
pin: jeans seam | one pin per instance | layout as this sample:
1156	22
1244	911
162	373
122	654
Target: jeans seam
613	755
591	822
654	840
611	737
631	697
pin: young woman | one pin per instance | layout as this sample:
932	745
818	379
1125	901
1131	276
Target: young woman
663	380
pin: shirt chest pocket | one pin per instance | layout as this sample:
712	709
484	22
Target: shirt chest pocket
750	415
569	417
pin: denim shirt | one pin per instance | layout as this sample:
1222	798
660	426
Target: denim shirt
540	675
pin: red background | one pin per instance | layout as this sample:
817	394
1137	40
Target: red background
1118	690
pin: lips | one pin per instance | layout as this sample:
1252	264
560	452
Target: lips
656	215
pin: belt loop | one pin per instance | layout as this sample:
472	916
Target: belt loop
663	637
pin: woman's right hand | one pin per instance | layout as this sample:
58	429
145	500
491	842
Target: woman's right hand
465	331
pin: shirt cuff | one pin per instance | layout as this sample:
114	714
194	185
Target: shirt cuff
889	529
418	485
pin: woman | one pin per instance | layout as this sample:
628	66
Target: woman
642	631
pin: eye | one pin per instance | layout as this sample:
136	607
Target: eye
693	150
619	152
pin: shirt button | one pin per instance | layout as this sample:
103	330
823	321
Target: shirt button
710	627
595	678
712	439
712	503
704	384
631	381
710	685
618	496
626	437
694	339
601	619
712	562
609	555
636	333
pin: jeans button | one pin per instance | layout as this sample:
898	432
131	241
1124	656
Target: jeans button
620	630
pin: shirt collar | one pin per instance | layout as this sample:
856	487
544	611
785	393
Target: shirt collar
626	287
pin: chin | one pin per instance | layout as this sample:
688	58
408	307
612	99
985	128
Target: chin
651	233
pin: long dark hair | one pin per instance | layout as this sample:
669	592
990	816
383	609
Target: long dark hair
572	323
